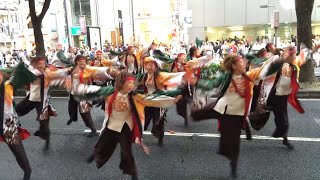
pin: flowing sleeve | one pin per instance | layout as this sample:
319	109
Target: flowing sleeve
98	72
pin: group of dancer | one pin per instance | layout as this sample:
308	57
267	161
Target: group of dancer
249	88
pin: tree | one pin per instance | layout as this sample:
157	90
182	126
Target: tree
304	33
36	23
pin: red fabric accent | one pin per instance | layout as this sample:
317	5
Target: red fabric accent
23	133
111	101
92	62
99	51
292	99
81	76
176	66
135	131
246	95
128	78
28	87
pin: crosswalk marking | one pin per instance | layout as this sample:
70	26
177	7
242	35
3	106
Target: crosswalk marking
182	134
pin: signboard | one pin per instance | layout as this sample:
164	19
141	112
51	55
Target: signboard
75	30
94	37
187	18
82	22
275	19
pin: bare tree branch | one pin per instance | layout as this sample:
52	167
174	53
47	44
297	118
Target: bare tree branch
44	8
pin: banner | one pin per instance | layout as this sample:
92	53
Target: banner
82	22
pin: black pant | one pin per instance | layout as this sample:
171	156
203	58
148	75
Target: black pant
20	154
25	106
230	130
106	145
182	108
73	113
158	122
279	105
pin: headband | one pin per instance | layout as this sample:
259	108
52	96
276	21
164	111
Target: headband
264	53
292	52
181	54
82	58
40	59
130	47
99	51
128	78
237	59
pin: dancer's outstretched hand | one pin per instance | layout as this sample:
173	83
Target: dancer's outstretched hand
178	98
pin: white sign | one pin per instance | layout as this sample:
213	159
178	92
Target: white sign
275	22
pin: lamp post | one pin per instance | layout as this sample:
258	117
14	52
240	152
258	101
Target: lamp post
275	24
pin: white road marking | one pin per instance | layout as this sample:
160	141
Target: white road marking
317	120
181	134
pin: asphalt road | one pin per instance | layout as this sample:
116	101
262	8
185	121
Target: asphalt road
182	157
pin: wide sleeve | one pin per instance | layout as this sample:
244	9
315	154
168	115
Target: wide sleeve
98	72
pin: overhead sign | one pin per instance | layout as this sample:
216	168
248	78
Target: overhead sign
75	30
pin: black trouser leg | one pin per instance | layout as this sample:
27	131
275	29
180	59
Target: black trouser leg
72	109
182	110
21	157
148	113
206	113
25	106
87	119
105	146
127	163
280	104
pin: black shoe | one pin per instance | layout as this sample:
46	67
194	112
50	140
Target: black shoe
90	159
286	143
93	133
27	175
248	135
69	122
47	145
36	133
233	170
134	177
160	143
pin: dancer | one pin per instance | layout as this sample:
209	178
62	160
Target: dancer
182	105
39	96
155	82
11	132
279	88
131	62
83	74
232	106
123	123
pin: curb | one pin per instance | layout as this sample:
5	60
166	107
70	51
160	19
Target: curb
308	94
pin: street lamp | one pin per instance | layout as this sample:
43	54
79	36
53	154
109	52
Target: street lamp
275	26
